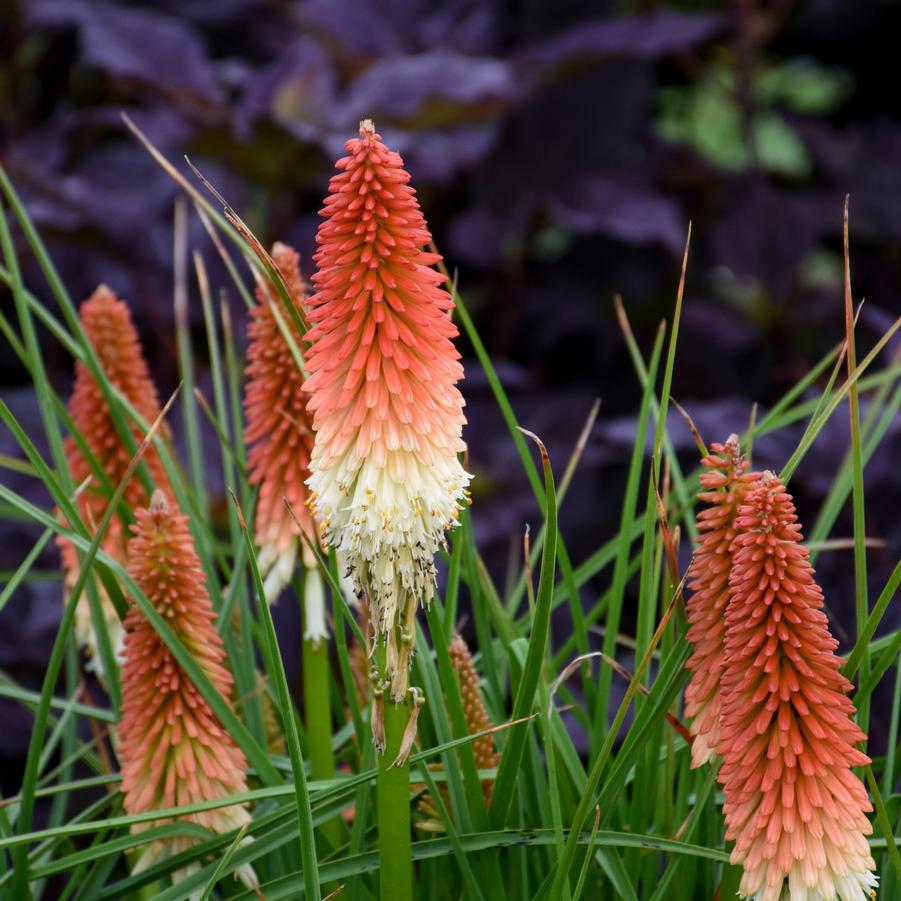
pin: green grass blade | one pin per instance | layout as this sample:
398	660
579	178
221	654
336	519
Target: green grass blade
820	420
184	345
861	646
289	722
623	544
24	567
589	853
586	802
514	746
222	864
884	825
861	601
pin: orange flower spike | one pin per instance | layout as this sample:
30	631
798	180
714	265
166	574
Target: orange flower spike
109	328
386	482
793	806
477	720
723	484
173	749
278	428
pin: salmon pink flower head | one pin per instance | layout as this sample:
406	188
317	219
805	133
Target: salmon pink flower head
108	326
173	749
279	430
723	484
386	480
793	806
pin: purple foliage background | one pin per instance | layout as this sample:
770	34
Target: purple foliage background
559	150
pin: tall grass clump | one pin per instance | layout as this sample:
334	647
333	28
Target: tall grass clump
409	763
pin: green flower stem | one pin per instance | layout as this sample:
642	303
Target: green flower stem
317	704
393	787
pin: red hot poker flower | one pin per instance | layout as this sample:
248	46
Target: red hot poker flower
386	482
173	749
792	804
278	427
724	483
109	328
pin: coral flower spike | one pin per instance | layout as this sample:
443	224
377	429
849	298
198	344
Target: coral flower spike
388	416
723	484
279	430
793	806
173	749
108	326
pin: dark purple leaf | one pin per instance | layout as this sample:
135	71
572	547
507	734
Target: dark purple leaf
876	179
476	237
648	36
99	192
622	207
435	155
590	122
880	318
375	28
222	13
297	91
717	326
430	155
768	231
402	87
145	46
866	162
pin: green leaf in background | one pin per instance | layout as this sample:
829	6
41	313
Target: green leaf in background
708	114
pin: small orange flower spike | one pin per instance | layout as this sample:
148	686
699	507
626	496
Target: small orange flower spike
173	749
278	428
723	484
793	806
109	328
477	719
386	482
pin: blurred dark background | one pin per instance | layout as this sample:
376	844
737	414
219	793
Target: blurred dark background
559	150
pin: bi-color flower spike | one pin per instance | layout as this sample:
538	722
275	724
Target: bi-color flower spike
793	806
386	482
173	749
107	323
723	484
279	430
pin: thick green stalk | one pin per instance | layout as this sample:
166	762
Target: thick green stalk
318	708
393	787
